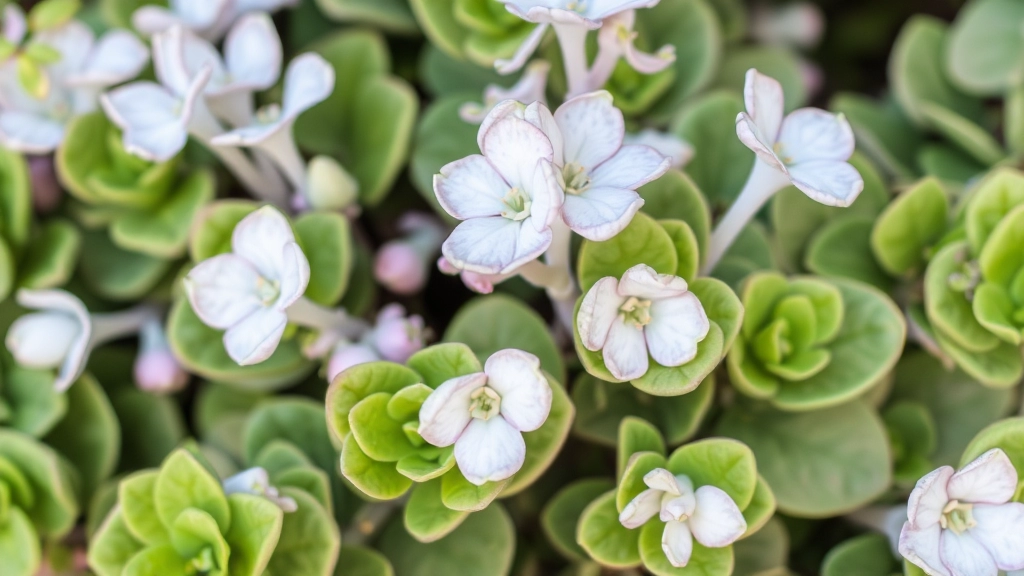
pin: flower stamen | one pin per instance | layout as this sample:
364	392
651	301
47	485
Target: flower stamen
575	179
957	517
485	403
636	312
517	205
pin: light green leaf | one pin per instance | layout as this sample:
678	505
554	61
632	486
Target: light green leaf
562	513
458	493
183	482
442	362
984	47
676	196
112	546
606	540
50	259
636	435
720	462
377	480
909	226
164	231
310	540
643	241
255	528
358	382
867	554
426	517
703	561
720	162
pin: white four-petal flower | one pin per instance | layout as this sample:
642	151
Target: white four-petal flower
964	523
484	414
644	312
707	514
207	18
507	198
248	290
588	13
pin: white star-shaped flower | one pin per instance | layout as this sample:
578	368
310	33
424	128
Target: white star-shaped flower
964	523
809	146
506	197
707	514
248	290
644	312
484	415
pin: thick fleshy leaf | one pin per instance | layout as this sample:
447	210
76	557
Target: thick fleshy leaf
702	560
601	535
426	516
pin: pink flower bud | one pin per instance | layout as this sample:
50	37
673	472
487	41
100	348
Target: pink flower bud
400	268
46	191
348	355
396	337
158	371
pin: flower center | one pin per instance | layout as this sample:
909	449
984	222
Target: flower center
484	403
517	205
267	290
575	179
636	312
268	114
578	6
780	151
957	517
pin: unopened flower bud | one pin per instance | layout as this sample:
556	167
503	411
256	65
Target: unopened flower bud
397	337
43	339
256	481
156	369
329	186
348	355
46	191
403	265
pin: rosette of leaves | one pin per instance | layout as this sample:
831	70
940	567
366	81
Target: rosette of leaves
37	500
146	208
481	31
367	122
326	241
808	343
974	287
669	247
594	529
373	410
178	520
31	255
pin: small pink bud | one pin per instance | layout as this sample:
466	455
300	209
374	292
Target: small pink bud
400	268
396	337
158	371
348	355
46	191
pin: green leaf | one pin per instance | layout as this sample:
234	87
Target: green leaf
483	546
495	322
883	132
19	545
89	435
948	164
442	362
765	550
201	350
426	517
636	435
643	241
1001	260
949	310
631	482
984	47
672	381
458	493
255	528
112	546
867	554
310	540
377	480
136	500
50	14
441	137
676	196
214	226
55	508
193	531
15	200
392	15
544	443
749	253
50	259
819	464
358	382
444	75
163	232
687	250
183	482
1000	367
562	513
721	162
842	249
1000	191
720	462
34	404
405	404
151	426
761	508
703	561
379	437
220	416
155	561
909	227
327	243
1007	435
118	274
606	540
359	561
964	133
779	62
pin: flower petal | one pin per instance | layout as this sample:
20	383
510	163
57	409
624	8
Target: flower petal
470	188
494	245
445	413
547	12
625	352
1000	530
514	146
294	276
118	56
222	290
716	521
677	543
14	24
641	509
647	63
30	133
826	181
631	167
42	339
929	497
538	114
74	41
600	213
989	478
678	151
255	338
260	238
663	480
523	53
749	135
252	52
499	111
813	134
525	393
592	128
308	81
148	115
963	555
677	325
490	450
600	308
193	14
599	9
765	103
643	282
921	548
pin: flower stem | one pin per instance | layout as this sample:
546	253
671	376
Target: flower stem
280	147
305	312
764	181
561	286
573	41
113	325
369	520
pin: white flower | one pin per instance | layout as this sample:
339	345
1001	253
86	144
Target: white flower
678	151
588	13
597	174
207	18
484	415
507	198
529	89
707	514
256	481
644	312
86	66
248	290
809	146
616	40
964	523
798	24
